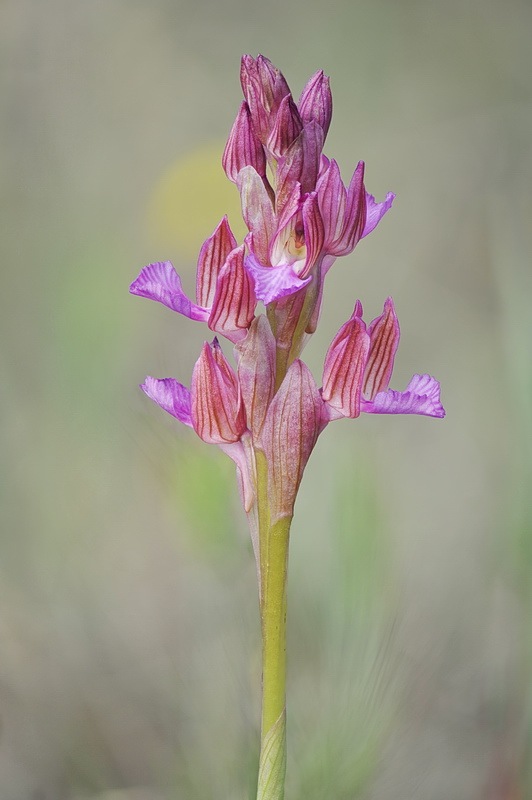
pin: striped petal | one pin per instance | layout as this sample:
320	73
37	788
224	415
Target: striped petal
160	282
384	335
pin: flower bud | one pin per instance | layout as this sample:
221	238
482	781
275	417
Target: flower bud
243	149
286	129
216	407
315	102
264	88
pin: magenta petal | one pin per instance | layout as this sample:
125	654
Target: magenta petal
376	211
171	395
160	282
272	283
421	396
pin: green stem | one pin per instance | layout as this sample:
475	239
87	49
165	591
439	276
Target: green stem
273	613
272	764
274	563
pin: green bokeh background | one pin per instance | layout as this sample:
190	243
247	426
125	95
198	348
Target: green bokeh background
129	638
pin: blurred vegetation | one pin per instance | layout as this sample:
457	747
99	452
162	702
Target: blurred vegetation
129	639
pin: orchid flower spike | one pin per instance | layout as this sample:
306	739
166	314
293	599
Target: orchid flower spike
266	412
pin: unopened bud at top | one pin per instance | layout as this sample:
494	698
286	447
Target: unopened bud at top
286	129
243	148
264	88
315	102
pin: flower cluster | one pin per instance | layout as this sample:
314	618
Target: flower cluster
300	217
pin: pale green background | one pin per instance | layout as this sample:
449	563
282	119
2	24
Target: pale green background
129	644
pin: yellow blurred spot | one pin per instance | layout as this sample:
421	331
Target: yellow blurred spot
189	201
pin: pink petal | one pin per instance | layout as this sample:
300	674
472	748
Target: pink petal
160	282
216	406
170	395
211	259
272	283
233	307
344	366
384	334
422	396
332	198
376	211
355	213
314	233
